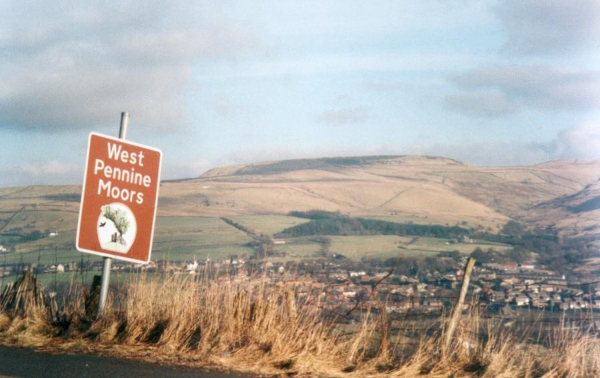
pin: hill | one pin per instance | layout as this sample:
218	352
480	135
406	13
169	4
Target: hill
418	188
578	212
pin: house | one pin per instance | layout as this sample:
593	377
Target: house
521	300
404	305
465	239
547	288
539	303
566	306
433	305
358	274
493	296
527	266
191	267
365	280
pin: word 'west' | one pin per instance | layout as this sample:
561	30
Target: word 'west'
116	174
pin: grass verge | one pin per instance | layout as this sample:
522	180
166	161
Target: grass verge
245	324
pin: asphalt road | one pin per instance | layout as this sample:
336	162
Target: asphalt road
25	363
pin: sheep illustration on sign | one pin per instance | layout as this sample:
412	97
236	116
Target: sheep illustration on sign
117	227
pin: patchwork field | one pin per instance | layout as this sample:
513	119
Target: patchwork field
356	247
183	238
387	246
189	238
269	224
418	189
175	238
304	247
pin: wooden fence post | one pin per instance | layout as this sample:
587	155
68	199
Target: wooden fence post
457	310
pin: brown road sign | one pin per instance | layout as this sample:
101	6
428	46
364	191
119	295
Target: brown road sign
118	203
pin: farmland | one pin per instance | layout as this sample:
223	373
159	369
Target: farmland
269	224
394	198
403	228
183	238
386	246
189	238
176	238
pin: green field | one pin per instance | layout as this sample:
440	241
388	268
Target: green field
8	240
27	221
386	246
189	238
429	245
175	238
269	224
45	254
374	246
299	247
48	280
62	281
183	238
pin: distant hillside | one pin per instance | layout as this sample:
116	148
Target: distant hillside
578	212
418	189
333	163
423	189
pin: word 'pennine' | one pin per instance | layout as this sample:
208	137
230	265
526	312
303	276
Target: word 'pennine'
126	175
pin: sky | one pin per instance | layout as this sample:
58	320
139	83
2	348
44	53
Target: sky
215	83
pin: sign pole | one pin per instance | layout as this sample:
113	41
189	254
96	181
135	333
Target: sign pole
107	260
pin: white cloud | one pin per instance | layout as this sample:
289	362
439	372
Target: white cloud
73	65
550	26
41	173
581	141
541	87
537	31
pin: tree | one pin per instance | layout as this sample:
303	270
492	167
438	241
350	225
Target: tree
513	228
483	257
117	217
518	255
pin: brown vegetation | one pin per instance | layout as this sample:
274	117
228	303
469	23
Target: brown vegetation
423	190
428	189
246	326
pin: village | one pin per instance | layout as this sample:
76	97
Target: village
339	285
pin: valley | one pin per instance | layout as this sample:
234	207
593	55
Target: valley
39	222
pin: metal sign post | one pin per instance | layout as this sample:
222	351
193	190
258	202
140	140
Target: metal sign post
107	260
118	202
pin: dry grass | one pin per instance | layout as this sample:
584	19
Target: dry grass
248	326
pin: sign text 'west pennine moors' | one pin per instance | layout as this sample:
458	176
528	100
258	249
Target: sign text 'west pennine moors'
119	198
111	176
